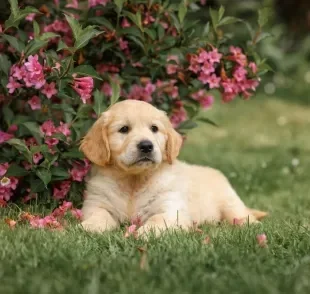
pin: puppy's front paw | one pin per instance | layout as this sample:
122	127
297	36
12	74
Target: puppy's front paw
95	226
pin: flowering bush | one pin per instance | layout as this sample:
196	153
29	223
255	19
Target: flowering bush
63	64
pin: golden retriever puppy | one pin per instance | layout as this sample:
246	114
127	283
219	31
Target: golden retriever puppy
135	173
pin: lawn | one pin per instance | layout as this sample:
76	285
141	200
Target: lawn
263	146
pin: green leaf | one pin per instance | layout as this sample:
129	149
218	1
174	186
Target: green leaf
20	14
182	11
262	36
45	175
264	67
83	111
14	7
86	35
8	114
20	146
228	20
74	153
187	125
207	120
47	36
61	45
37	186
160	32
14	42
263	15
116	90
206	29
59	173
34	129
119	4
34	46
42	148
36	29
214	17
75	26
16	171
135	18
101	21
151	33
64	107
99	103
5	64
86	70
221	12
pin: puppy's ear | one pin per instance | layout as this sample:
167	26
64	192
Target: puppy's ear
95	144
174	144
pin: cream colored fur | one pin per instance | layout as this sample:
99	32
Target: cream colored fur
164	193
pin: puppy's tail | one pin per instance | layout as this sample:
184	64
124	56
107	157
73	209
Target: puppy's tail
258	214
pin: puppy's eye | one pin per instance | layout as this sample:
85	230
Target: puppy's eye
124	130
154	129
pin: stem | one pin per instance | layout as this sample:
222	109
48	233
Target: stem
67	69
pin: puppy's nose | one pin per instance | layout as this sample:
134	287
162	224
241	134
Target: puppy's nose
146	146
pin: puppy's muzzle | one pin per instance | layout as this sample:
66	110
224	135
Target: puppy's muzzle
145	147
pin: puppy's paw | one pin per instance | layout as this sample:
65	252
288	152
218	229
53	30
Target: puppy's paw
95	227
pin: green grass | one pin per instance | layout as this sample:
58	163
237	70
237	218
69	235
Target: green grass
257	152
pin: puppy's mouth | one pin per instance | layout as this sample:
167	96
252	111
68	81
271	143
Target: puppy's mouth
144	159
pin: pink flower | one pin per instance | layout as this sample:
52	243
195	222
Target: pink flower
203	56
48	128
35	103
30	17
215	56
229	86
148	18
194	64
73	4
12	129
61	190
13	85
77	213
138	92
51	141
123	44
207	68
171	69
238	56
178	116
206	101
3	168
49	90
125	23
17	72
214	81
33	65
261	240
79	171
37	157
64	129
84	87
5	137
92	3
239	73
106	89
11	223
253	67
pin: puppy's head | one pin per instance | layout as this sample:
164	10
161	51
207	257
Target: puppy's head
134	136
